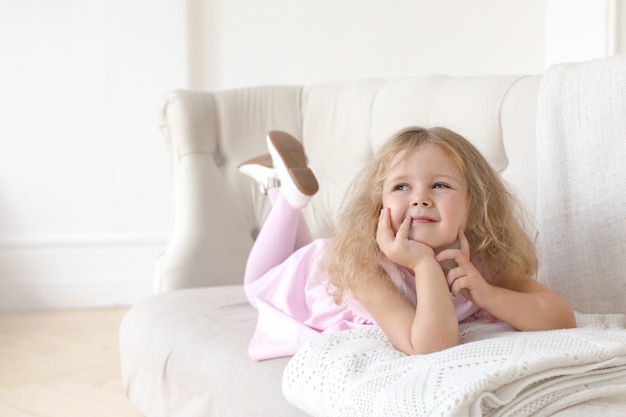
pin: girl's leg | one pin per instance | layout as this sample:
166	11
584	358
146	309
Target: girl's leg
284	231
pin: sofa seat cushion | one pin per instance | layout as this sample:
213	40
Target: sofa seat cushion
186	354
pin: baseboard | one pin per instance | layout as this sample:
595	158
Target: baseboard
73	295
38	274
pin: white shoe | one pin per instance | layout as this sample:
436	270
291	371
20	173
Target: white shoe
261	170
297	181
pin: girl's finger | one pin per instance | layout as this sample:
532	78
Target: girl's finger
457	285
464	244
403	230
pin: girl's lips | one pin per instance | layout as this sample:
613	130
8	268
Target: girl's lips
423	220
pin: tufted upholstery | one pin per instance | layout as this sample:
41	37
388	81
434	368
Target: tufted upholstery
184	351
217	210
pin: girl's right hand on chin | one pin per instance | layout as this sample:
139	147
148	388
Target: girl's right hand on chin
396	245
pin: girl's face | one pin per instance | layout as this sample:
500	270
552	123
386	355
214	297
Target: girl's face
428	187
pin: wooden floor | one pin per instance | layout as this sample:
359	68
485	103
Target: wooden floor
61	364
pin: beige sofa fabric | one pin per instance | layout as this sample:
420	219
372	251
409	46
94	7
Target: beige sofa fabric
184	352
215	208
217	211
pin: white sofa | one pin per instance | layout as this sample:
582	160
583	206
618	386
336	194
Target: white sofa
184	350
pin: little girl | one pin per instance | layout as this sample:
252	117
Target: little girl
427	237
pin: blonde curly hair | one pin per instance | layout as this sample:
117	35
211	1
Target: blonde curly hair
495	227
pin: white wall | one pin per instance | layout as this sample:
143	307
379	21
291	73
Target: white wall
84	186
579	30
306	41
84	196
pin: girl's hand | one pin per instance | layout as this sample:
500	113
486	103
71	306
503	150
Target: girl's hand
397	246
465	279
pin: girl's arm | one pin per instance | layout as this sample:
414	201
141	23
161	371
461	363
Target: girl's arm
521	302
528	305
431	325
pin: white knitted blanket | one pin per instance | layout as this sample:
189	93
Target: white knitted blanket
496	371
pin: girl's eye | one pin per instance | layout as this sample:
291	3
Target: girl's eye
440	185
401	187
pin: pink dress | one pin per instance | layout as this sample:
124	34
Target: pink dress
294	305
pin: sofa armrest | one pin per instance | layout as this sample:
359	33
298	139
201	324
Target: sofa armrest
216	211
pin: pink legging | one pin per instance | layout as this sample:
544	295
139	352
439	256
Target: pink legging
283	232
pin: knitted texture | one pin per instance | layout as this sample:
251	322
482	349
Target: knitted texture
496	371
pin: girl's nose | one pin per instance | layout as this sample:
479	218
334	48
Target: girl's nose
421	202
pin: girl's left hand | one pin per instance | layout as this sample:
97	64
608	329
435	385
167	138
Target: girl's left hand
465	279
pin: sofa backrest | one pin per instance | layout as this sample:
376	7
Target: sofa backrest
217	211
343	123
